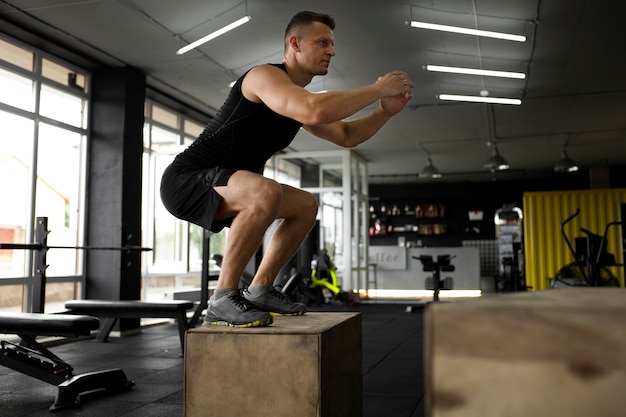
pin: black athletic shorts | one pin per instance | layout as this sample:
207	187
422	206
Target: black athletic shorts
189	194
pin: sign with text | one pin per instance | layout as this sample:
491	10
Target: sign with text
388	257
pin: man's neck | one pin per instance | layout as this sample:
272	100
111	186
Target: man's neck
296	74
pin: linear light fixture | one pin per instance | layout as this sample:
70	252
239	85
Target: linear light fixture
214	35
467	31
479	99
476	71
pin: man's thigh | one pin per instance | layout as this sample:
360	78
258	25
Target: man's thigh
244	189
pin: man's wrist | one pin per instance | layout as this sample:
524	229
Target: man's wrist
383	113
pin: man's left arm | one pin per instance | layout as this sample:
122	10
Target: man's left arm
349	134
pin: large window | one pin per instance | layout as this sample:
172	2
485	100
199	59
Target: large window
175	262
43	135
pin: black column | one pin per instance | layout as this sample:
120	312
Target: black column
114	185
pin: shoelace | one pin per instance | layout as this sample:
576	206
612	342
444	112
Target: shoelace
277	294
239	300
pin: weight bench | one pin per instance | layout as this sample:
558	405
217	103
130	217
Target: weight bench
31	358
130	309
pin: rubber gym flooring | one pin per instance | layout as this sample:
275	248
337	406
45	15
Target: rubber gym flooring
393	381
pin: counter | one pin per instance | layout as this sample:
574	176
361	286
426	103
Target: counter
396	269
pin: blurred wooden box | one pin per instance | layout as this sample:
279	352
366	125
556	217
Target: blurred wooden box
550	353
308	366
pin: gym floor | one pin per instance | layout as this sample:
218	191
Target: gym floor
393	381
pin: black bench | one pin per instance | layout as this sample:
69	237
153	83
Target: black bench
128	309
31	358
37	324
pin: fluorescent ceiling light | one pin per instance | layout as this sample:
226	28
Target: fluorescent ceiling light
474	71
467	31
477	99
214	35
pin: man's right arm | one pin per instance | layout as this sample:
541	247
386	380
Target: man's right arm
275	89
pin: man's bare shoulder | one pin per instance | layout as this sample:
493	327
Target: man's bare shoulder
261	78
267	70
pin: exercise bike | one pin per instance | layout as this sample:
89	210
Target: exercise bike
319	285
591	260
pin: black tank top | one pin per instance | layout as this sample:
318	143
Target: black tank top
243	135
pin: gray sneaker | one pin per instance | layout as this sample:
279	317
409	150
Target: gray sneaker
274	302
234	311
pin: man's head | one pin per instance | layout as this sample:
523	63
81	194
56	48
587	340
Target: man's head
301	21
309	42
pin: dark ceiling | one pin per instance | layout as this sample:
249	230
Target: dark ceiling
574	58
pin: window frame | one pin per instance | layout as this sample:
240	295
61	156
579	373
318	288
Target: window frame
40	82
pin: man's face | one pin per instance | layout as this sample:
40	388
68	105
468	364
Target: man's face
317	48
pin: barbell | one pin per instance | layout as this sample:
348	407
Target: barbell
40	246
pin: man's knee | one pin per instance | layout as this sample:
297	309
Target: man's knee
268	196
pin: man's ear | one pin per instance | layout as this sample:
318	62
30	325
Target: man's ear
294	43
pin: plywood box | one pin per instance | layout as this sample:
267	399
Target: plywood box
550	353
307	366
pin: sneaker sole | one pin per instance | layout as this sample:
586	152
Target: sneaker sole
256	323
298	313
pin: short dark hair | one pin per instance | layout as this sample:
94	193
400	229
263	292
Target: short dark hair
306	18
